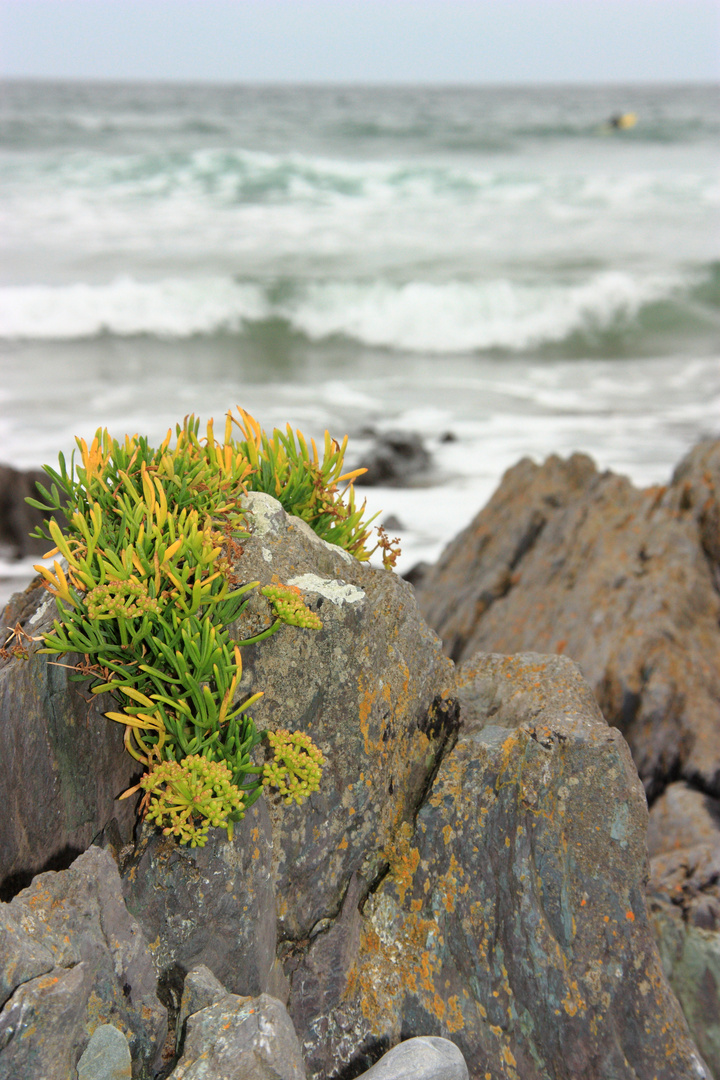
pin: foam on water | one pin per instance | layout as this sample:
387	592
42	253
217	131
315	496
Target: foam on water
425	317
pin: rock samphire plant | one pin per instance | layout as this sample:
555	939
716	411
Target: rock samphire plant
148	593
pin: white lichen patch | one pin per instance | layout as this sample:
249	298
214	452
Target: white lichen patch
38	615
265	514
337	592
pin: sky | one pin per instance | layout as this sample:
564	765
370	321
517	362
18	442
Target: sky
363	41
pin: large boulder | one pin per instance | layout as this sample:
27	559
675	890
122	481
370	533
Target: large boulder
625	581
512	916
240	1038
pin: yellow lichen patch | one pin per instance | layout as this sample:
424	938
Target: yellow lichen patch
508	1057
453	783
402	860
343	843
438	1007
454	1020
573	1001
367	700
447	884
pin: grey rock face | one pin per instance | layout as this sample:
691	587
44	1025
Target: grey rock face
422	1058
241	1038
213	905
63	762
625	581
21	957
100	973
106	1056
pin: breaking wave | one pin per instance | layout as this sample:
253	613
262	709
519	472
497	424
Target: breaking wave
416	316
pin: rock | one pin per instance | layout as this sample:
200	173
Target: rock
422	1058
681	818
200	989
21	957
684	899
397	459
373	690
106	1056
17	519
512	919
392	521
241	1038
690	879
213	905
100	973
625	581
63	763
472	868
691	962
43	1025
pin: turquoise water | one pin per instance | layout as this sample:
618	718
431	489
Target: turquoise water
491	262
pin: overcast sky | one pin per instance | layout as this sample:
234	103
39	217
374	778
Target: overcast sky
376	41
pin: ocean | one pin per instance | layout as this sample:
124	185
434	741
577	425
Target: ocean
499	265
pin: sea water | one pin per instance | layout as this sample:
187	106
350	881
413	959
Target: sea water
492	264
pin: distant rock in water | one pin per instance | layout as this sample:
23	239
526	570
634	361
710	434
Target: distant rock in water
397	459
17	519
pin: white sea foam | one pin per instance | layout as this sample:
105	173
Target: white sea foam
173	308
441	318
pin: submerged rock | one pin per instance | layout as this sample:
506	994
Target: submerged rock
397	459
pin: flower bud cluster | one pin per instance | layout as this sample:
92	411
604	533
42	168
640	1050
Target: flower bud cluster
290	607
120	599
297	766
194	788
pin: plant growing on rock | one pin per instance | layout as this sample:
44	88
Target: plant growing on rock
148	593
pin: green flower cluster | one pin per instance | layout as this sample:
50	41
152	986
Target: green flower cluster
290	607
120	599
297	766
182	791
